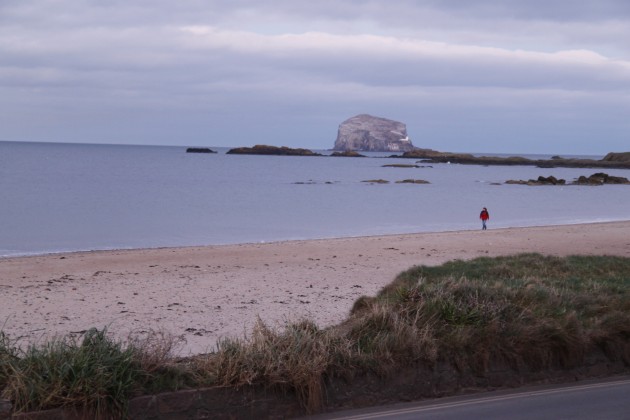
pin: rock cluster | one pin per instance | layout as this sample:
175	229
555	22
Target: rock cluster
549	180
612	160
261	149
373	134
199	150
599	178
413	181
376	181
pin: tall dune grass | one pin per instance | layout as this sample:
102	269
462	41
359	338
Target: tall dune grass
95	374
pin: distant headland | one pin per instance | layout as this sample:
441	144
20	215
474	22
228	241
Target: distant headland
611	160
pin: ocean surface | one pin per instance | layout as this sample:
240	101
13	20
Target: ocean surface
71	197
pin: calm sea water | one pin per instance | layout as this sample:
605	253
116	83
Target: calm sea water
69	197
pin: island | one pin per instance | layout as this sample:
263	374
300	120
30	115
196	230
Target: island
199	150
372	134
262	149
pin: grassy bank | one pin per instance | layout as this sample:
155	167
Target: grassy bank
528	312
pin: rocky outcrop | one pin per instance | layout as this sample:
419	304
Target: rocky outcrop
199	150
413	181
601	178
376	181
372	134
400	165
261	149
347	153
542	180
617	157
612	160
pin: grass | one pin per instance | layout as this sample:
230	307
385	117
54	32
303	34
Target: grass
97	373
296	359
529	312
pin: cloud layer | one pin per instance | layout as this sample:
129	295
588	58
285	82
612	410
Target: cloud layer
538	77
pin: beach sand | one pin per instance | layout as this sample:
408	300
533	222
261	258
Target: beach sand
201	294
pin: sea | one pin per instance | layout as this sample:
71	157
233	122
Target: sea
58	198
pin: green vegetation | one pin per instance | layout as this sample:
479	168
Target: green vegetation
96	374
528	312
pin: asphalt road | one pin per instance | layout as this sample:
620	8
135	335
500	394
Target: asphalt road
607	399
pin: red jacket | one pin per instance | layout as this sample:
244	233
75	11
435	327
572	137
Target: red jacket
484	215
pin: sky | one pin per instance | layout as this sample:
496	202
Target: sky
502	76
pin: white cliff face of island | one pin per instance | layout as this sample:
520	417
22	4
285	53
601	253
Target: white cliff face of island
372	134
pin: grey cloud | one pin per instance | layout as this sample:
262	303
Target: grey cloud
151	69
556	10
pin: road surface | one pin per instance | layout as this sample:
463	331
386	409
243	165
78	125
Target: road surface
606	399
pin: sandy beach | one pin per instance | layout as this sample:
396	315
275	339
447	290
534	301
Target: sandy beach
201	294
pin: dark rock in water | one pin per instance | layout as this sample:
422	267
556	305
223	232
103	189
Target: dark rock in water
617	157
550	180
601	178
347	153
413	181
199	150
261	149
588	181
376	181
400	165
373	134
311	182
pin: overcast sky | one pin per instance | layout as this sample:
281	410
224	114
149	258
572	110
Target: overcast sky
535	76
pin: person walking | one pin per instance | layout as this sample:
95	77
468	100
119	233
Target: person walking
484	216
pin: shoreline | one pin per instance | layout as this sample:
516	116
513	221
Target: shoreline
204	293
282	241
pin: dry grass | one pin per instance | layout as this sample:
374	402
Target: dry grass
297	358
